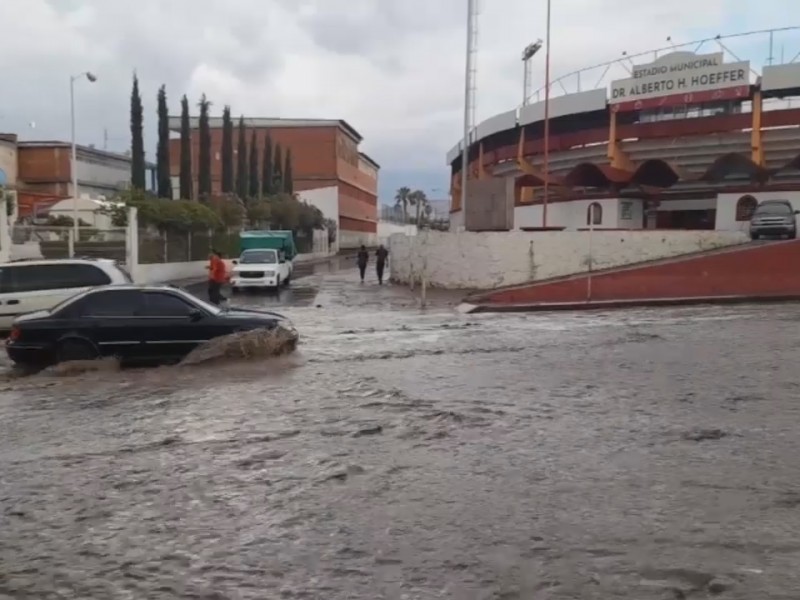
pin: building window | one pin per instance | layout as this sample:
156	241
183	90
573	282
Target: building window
626	210
745	208
594	214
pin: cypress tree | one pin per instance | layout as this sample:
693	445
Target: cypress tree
186	180
288	184
242	185
254	188
137	138
163	175
227	151
267	175
277	170
204	158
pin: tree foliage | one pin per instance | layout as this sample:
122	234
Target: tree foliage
186	180
227	151
288	183
401	201
137	138
163	175
277	169
204	152
242	184
254	188
267	173
163	214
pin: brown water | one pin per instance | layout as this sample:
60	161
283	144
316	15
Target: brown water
402	454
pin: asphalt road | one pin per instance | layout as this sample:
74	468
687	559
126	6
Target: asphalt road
413	454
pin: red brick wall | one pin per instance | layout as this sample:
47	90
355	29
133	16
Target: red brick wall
764	270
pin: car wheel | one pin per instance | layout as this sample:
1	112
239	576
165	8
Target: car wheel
278	284
69	350
234	290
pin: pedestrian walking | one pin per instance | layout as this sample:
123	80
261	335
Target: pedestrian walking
362	260
380	262
217	276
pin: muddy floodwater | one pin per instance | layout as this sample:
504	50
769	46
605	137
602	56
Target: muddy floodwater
402	454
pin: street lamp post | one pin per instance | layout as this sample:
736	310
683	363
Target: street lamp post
74	159
546	161
527	54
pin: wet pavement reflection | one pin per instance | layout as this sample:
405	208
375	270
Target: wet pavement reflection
415	454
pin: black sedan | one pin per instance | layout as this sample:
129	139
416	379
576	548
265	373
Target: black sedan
133	323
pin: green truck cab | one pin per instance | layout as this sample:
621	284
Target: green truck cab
268	240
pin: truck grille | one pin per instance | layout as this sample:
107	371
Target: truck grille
251	274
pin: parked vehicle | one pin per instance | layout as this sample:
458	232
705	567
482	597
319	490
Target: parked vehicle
29	286
774	217
153	324
261	269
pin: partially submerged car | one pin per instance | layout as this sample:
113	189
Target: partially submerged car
136	324
774	217
264	268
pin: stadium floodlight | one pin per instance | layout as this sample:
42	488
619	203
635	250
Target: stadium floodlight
527	54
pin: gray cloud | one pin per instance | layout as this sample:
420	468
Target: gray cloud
393	68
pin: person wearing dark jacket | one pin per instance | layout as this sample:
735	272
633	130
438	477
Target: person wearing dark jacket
362	260
380	262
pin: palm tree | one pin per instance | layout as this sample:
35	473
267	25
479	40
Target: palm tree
419	200
401	200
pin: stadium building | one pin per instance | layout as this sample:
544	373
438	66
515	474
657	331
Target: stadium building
689	140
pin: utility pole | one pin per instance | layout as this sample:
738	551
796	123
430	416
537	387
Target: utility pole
469	96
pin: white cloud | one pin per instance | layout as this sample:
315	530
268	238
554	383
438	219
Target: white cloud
393	68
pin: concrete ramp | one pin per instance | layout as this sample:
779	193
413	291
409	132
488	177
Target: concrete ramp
752	272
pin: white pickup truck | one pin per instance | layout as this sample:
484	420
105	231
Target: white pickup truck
261	268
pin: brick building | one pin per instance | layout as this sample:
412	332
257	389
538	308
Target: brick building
40	172
324	155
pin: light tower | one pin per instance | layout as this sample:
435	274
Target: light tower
469	95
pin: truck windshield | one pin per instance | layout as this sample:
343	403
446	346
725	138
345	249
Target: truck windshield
260	257
774	208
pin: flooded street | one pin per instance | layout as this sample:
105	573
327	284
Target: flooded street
407	454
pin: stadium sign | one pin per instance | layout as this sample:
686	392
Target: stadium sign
681	78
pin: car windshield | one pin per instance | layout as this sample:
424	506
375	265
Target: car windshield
260	257
774	208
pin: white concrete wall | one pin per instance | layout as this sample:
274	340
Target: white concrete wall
726	207
354	239
488	260
166	272
386	230
325	199
572	215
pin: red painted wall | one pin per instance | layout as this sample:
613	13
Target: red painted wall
764	270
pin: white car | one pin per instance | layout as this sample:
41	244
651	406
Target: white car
30	286
261	268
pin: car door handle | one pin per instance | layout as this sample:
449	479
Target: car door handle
13	302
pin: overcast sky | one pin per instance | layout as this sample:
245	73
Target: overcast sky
394	69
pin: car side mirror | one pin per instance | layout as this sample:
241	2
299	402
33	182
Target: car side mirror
235	262
797	212
195	314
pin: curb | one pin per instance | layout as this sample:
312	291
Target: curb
623	304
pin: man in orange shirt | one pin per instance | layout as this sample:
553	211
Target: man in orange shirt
217	276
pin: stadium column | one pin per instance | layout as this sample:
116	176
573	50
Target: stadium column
482	172
526	193
756	147
617	157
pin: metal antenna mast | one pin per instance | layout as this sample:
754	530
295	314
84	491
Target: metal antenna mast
469	94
